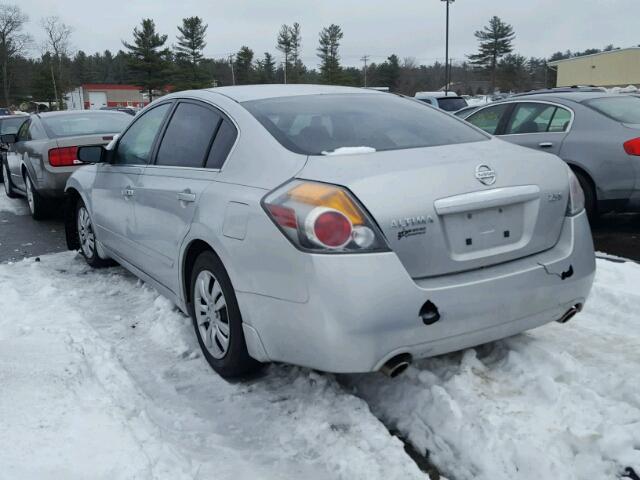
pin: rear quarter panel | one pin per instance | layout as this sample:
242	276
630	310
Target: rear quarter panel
595	144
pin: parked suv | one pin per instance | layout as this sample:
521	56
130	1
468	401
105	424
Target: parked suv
336	228
449	102
597	134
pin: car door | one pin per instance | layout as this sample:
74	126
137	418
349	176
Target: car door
187	160
538	125
491	119
113	193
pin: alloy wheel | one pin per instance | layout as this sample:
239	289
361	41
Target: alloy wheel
27	182
5	176
211	314
85	233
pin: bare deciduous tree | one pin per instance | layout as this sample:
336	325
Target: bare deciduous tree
57	45
12	42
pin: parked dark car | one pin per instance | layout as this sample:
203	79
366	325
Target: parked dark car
43	153
597	134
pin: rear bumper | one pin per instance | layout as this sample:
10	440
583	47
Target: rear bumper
364	309
51	184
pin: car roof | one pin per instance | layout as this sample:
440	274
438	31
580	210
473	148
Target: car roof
577	97
245	93
60	113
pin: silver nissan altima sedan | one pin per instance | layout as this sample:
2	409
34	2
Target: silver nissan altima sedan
341	229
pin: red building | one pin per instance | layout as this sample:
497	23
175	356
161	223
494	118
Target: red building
94	96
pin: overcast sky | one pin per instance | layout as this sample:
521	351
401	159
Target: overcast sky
409	28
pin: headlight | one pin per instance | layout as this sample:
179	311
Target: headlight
576	195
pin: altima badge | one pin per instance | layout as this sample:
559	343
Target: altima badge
485	174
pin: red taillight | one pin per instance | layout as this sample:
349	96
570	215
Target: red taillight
64	157
632	147
328	228
285	217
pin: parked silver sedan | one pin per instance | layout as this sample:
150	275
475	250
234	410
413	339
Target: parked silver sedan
43	153
596	133
341	229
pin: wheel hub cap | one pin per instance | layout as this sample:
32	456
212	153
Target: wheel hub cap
211	314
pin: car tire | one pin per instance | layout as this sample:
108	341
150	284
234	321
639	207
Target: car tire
590	204
8	185
87	238
37	205
216	318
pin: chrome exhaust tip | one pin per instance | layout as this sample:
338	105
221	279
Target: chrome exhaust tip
569	314
396	365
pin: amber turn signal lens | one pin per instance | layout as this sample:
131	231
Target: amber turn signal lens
322	195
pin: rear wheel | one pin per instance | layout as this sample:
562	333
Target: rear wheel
37	205
216	318
87	238
589	195
8	186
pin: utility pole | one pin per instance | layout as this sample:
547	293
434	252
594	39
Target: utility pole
365	59
233	76
284	67
446	64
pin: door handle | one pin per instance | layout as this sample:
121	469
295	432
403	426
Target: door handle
545	144
128	192
186	196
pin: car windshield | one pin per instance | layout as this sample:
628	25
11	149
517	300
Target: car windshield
451	104
12	125
623	109
319	124
85	123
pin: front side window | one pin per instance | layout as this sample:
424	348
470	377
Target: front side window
188	136
134	148
320	124
488	119
23	133
12	125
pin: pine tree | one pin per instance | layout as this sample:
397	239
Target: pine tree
188	54
148	61
297	68
266	69
496	40
284	45
244	66
330	68
389	72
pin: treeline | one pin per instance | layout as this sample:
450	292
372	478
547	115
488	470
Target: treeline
156	65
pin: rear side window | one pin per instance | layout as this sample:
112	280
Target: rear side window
86	123
317	124
188	136
488	119
225	138
623	109
452	104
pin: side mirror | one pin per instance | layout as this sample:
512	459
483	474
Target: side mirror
9	138
91	154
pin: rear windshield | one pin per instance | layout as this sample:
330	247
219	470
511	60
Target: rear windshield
452	104
317	124
623	109
85	123
12	125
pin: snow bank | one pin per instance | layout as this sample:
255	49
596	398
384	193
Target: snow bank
559	402
17	206
102	378
350	151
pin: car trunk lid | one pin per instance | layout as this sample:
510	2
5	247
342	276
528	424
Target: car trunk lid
458	207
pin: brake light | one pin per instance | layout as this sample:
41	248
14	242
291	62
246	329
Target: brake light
632	147
322	218
64	157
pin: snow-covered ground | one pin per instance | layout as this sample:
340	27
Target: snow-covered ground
101	377
17	206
